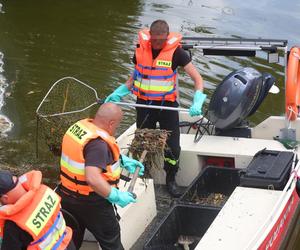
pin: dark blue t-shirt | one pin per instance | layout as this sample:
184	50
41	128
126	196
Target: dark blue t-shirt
98	154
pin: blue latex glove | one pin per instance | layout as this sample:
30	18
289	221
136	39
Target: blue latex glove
120	198
130	165
198	101
117	95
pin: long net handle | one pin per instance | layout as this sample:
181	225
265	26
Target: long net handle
152	106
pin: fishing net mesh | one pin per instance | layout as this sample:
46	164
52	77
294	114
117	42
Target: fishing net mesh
67	102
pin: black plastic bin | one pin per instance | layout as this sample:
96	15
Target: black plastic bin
187	220
268	169
212	180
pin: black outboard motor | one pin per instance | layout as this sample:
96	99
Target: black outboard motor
268	82
237	97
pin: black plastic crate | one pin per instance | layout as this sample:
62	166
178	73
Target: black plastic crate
268	169
187	220
211	181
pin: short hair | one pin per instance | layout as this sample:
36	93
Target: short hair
159	27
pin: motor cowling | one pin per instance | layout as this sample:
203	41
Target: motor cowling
238	95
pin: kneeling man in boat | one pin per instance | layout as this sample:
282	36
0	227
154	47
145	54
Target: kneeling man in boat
91	165
30	216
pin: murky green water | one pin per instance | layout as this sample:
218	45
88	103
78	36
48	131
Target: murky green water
92	40
43	41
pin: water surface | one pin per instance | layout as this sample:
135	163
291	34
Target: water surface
42	41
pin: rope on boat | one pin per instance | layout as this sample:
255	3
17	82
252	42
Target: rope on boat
296	55
288	121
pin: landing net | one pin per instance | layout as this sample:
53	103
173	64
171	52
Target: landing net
67	101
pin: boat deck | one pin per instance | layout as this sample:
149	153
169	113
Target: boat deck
163	203
89	245
243	215
241	149
245	211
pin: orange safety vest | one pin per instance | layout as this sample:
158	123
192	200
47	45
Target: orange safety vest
72	163
154	79
38	213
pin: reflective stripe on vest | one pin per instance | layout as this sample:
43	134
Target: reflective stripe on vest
77	168
148	85
73	162
154	79
152	95
73	166
54	234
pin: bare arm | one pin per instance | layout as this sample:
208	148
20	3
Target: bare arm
191	70
129	82
96	181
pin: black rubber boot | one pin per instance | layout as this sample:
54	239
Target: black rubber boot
172	186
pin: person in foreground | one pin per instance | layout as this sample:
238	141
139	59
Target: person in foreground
90	172
30	216
157	56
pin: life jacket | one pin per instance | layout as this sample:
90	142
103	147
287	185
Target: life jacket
38	213
72	163
154	79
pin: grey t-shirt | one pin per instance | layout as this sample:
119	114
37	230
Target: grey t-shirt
98	154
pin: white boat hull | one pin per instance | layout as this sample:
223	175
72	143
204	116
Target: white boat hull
251	218
271	210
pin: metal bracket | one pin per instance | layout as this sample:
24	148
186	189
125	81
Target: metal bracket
273	57
287	134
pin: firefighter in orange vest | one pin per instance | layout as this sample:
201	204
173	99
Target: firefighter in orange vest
157	56
90	172
30	216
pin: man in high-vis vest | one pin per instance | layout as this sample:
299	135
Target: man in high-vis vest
30	216
91	165
154	81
